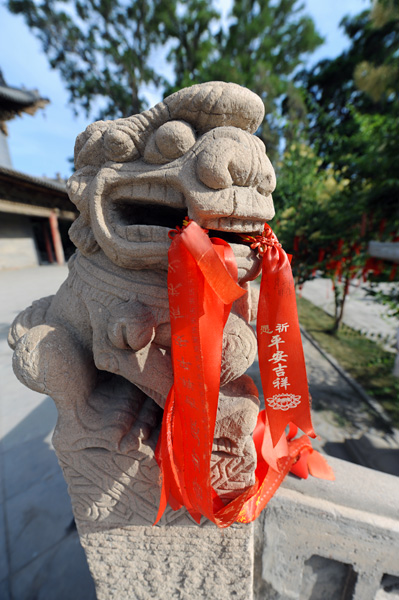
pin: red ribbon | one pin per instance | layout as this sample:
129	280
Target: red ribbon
281	359
202	285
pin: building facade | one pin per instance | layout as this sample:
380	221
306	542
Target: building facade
35	213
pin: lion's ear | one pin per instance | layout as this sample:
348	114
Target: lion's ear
82	236
78	187
80	231
89	145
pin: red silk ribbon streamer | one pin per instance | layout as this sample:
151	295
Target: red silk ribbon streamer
281	359
202	285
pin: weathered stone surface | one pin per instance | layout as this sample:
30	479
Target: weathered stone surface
101	346
330	540
186	563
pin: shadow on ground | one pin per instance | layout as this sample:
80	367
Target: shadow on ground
41	556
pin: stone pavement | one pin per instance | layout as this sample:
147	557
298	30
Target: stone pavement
40	554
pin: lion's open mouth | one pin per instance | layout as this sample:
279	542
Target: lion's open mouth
229	236
137	213
132	217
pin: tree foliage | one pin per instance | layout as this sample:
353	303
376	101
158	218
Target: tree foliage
340	189
354	107
101	48
314	223
261	47
109	50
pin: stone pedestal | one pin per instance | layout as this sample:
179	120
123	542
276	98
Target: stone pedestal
166	562
101	347
115	496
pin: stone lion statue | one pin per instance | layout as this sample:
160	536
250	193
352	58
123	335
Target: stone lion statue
100	347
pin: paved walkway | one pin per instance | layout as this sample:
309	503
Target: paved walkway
362	312
40	554
348	428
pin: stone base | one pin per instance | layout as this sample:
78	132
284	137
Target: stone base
156	563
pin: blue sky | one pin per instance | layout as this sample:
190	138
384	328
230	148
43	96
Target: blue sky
41	145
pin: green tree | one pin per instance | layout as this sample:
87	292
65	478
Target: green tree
102	48
261	47
314	223
353	107
107	51
190	31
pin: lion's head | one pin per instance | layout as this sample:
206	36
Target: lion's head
194	153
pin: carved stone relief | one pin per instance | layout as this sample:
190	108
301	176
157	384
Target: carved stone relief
101	346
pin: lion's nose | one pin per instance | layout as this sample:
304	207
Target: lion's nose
224	163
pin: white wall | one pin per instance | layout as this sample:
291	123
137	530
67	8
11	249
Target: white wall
17	246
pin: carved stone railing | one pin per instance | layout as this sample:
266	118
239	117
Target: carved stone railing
385	250
319	540
388	251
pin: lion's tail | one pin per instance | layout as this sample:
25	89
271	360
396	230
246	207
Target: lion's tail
28	318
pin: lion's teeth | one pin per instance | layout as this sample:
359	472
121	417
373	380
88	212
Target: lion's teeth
132	234
173	197
211	224
139	233
121	231
145	233
140	191
155	192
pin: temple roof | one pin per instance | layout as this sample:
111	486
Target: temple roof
34	196
46	183
15	101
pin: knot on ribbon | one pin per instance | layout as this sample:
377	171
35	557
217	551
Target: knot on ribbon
267	239
178	230
174	232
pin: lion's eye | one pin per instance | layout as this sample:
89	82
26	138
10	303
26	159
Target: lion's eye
175	138
170	141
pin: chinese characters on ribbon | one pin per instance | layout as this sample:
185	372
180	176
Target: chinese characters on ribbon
280	367
281	360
